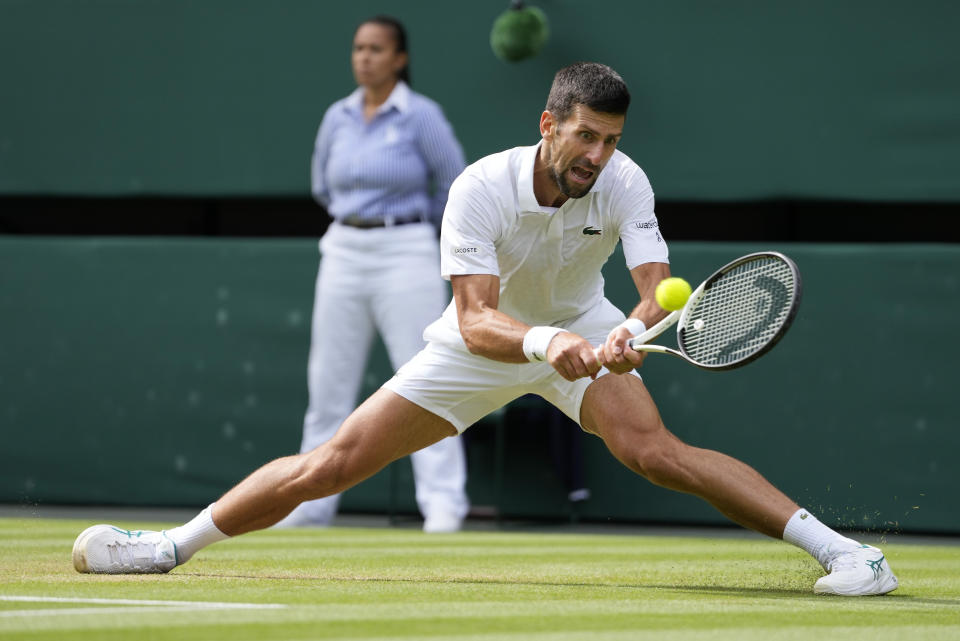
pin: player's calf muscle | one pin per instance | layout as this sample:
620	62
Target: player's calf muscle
662	463
319	474
657	456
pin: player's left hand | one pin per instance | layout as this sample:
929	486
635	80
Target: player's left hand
616	355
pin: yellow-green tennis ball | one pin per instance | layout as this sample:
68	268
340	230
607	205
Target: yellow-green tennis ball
672	293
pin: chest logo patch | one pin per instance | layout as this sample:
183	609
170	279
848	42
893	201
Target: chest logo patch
590	231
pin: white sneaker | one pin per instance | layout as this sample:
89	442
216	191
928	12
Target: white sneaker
104	549
442	524
858	572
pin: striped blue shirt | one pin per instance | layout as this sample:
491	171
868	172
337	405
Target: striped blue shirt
398	165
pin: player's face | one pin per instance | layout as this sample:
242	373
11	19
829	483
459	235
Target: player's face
375	59
579	147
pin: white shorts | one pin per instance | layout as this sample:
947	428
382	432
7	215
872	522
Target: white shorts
463	388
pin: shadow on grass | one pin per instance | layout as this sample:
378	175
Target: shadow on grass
752	592
901	597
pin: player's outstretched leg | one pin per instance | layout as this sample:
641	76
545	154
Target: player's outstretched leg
384	428
620	410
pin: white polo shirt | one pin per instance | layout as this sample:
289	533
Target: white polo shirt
548	259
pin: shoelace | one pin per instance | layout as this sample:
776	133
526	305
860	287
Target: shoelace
834	551
856	558
844	561
128	553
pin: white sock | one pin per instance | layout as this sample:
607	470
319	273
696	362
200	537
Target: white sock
806	532
198	533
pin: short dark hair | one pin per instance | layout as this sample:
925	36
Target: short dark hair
399	36
590	84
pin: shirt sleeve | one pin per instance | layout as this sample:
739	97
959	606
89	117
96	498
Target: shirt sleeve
470	230
443	154
639	227
318	163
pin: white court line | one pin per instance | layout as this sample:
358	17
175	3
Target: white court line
145	605
7	614
201	604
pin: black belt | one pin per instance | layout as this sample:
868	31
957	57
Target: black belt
373	223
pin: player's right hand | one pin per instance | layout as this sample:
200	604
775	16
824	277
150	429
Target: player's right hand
572	356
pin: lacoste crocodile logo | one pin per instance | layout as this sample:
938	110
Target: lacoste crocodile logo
590	231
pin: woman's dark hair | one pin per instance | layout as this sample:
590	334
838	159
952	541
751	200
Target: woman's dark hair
590	84
399	36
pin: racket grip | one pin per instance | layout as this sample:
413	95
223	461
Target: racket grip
656	330
637	347
637	341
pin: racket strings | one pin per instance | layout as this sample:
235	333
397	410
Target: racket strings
740	313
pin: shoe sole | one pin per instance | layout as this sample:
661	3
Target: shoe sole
80	548
829	591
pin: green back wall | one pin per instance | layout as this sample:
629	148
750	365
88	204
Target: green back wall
732	100
160	372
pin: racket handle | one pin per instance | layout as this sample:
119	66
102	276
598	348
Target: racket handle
639	347
638	342
647	347
655	331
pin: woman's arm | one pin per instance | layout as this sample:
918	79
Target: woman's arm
443	154
318	163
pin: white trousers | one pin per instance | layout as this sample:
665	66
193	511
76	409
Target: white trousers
385	280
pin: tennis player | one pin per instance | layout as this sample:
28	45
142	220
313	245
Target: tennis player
525	234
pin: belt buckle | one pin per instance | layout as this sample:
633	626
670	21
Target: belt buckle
392	221
360	222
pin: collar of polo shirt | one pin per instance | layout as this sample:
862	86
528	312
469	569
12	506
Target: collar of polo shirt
399	98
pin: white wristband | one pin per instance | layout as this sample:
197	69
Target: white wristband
633	325
537	340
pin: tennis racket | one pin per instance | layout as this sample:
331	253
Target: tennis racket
735	316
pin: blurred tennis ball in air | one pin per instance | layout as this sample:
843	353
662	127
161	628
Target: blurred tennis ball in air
519	33
672	293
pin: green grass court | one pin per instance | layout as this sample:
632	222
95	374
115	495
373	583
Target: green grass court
376	583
